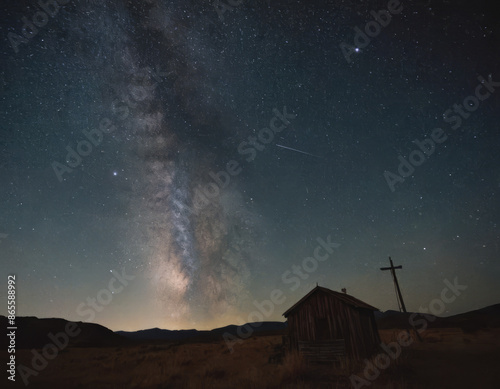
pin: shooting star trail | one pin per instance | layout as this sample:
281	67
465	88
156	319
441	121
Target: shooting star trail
299	151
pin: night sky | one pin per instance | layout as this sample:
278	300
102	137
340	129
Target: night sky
201	153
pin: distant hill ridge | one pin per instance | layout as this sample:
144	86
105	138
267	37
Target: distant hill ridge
181	335
33	332
488	317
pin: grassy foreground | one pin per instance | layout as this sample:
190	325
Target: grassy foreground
448	358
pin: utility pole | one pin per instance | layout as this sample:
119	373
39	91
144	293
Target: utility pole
393	268
401	303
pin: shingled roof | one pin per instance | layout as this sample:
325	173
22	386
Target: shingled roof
348	299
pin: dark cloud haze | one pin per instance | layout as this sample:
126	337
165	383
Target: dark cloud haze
131	140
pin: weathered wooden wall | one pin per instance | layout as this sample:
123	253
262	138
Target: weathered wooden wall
355	325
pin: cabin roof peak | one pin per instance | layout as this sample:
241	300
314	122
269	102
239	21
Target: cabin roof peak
344	297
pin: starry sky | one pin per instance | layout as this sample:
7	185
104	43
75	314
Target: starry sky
174	162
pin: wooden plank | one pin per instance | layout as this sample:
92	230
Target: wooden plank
324	351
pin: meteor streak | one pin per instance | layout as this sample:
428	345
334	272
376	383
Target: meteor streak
299	151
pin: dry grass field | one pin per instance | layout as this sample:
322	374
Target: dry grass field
448	358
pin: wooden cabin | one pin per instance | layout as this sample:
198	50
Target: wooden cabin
325	324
